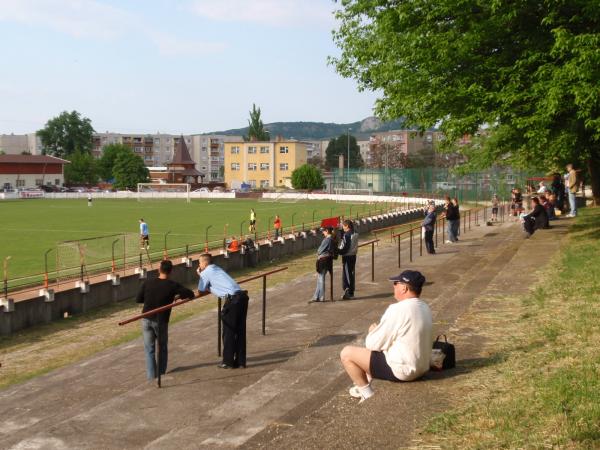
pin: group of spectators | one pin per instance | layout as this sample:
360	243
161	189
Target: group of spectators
547	203
452	215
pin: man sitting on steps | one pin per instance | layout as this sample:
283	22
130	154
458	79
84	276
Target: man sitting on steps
398	348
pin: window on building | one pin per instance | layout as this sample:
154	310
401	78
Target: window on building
264	183
283	167
39	181
56	181
235	150
20	183
251	166
203	167
284	149
235	166
214	175
264	149
251	150
264	166
203	149
252	183
138	149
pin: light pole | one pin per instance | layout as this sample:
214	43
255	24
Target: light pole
348	139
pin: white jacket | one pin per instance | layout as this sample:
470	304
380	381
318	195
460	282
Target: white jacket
404	336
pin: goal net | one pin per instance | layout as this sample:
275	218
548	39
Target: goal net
158	191
351	194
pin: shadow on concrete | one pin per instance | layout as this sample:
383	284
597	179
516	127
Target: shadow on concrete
253	361
465	366
334	339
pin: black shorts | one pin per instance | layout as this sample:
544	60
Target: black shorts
494	210
379	367
253	222
145	238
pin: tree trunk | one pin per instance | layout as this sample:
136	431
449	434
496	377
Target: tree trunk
594	172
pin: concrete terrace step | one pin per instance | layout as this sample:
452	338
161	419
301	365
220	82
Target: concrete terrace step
103	402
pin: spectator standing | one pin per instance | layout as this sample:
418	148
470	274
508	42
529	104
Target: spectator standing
398	348
558	189
428	225
573	188
277	226
456	224
324	264
348	249
89	200
495	206
216	281
451	219
153	294
144	236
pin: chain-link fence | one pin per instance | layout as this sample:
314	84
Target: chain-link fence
476	186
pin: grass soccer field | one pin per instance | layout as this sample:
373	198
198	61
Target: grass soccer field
31	227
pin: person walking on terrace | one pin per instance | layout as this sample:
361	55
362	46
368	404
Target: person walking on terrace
428	225
324	264
216	281
348	249
155	293
398	348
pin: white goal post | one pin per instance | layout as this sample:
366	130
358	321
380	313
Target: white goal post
340	193
154	191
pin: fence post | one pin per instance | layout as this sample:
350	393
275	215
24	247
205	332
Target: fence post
443	229
399	240
165	253
45	268
411	244
158	354
331	283
219	326
372	261
264	303
421	243
437	227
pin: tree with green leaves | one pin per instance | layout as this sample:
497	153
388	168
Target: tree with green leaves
129	170
256	128
66	134
307	177
527	72
339	146
109	157
82	169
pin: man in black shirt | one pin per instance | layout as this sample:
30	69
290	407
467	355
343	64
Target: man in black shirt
153	294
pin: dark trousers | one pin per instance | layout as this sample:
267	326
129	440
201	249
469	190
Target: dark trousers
429	241
348	274
233	316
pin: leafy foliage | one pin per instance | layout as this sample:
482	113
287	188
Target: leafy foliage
527	70
339	146
256	128
82	169
109	157
67	134
307	177
129	170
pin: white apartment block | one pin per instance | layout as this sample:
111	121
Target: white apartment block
208	152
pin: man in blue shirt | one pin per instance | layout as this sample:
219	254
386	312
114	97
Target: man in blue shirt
215	280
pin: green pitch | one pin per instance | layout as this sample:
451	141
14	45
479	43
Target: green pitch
30	227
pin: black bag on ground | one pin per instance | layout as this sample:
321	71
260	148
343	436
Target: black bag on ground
447	350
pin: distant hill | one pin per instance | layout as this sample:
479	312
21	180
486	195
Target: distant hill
313	131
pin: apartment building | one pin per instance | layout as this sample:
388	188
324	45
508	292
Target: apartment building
208	151
263	164
16	144
405	142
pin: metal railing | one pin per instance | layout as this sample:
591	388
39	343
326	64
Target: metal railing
201	294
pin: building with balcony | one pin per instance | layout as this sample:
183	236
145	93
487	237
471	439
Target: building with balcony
208	150
263	164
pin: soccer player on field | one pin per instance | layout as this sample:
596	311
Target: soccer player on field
144	236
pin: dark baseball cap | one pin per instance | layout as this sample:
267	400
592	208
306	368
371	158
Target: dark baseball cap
413	278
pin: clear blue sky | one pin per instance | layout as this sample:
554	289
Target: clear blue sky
174	66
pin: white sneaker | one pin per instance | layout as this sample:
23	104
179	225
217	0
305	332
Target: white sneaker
354	392
448	242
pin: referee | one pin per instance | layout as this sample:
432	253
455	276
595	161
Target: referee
215	280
